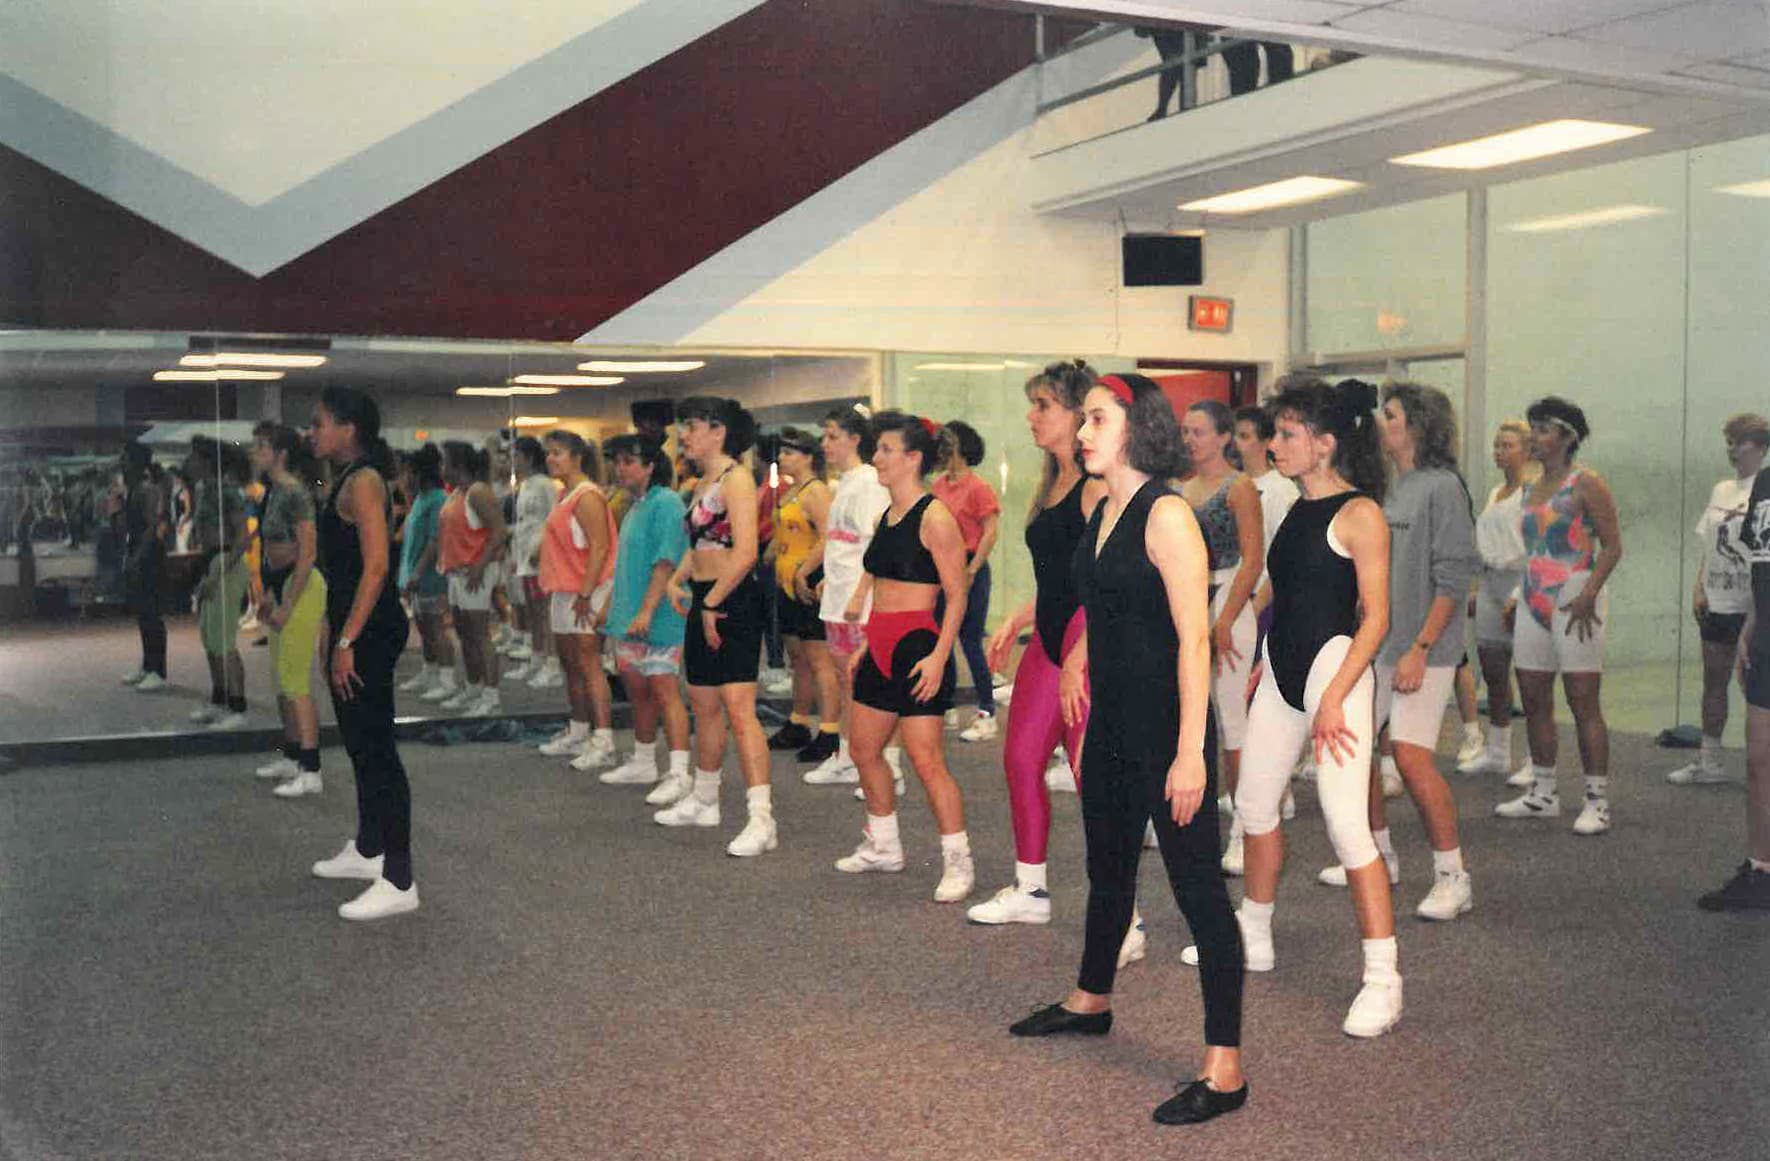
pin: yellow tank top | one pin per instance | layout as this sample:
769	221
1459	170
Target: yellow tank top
796	537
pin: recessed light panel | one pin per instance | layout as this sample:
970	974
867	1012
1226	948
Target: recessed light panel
1290	192
1527	144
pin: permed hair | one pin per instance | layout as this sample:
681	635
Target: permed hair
1259	417
646	451
1152	443
1342	410
964	438
1431	420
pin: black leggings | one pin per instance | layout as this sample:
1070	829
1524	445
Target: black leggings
1119	795
383	795
142	592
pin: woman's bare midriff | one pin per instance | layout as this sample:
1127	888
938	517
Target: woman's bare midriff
893	596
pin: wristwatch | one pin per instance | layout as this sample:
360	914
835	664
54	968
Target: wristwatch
343	642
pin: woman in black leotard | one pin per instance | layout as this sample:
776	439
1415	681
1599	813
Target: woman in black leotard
368	630
1143	574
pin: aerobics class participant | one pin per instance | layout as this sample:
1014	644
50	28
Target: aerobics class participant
1226	505
1330	613
368	631
1432	557
1723	595
472	536
146	530
426	589
536	493
973	504
576	569
1050	703
1558	620
646	633
294	603
722	644
1499	537
220	530
1143	571
796	554
904	677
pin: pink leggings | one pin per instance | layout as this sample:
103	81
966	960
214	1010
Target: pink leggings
1035	727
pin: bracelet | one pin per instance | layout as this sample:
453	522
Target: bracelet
1420	643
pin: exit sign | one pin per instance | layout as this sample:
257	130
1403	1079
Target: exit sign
1210	314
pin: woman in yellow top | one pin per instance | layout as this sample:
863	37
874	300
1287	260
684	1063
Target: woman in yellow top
797	552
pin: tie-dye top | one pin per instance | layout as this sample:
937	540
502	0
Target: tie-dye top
1557	544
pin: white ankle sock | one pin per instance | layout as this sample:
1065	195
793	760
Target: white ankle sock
706	786
646	750
678	763
1598	789
842	751
882	829
1472	731
1257	917
1499	740
1030	876
1447	862
1385	844
1381	958
957	843
760	800
1543	782
1759	865
1711	751
604	736
1390	769
578	730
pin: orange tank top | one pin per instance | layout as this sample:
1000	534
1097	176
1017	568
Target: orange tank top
565	550
462	544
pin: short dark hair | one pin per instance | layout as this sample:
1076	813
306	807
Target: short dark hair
426	467
464	457
1565	412
648	452
1747	426
356	407
915	433
1259	417
1342	410
530	449
581	449
739	425
803	442
965	438
854	423
1223	420
1152	431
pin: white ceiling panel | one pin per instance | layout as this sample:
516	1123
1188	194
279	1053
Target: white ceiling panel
1602	59
1553	16
1760	60
1714	30
1730	75
1416	28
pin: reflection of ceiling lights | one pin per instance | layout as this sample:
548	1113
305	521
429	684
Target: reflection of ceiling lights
1747	189
212	376
252	359
1527	144
1289	192
960	366
534	421
568	380
506	392
642	367
1608	216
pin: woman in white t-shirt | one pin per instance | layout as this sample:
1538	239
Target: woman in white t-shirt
1499	538
1723	593
536	494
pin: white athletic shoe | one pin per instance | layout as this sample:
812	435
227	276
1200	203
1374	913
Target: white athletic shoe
1234	857
637	770
1474	745
1136	945
832	771
444	690
983	727
1486	762
489	704
1059	779
688	811
1393	786
152	683
460	699
520	672
380	901
304	782
227	721
278	768
134	676
1287	809
1013	904
204	714
958	876
1522	778
595	753
521	651
867	857
670	790
950	720
563	743
418	680
898	787
549	676
1697	773
348	864
1451	895
1530	805
1376	1009
1257	954
759	835
1594	818
1335	876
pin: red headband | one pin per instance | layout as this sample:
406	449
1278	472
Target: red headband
932	428
1120	389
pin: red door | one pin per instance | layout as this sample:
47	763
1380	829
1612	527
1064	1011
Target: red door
1184	388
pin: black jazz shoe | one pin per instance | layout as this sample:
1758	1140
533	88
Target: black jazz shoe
789	737
1747	890
820	747
1058	1019
1198	1102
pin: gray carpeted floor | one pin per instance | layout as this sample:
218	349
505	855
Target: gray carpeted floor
583	984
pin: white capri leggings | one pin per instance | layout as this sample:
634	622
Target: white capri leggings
1229	687
1277	734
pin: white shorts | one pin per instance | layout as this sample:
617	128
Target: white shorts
1414	717
480	602
564	620
1555	650
1229	684
1491	596
514	590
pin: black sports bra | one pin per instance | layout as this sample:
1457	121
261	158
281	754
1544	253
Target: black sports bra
897	553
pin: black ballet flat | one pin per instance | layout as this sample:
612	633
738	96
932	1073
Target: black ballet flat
1057	1019
1199	1102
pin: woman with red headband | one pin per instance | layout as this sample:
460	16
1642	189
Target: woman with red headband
905	675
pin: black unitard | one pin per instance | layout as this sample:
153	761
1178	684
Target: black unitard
1133	735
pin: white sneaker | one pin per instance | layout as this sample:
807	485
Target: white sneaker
1450	896
303	783
443	691
549	676
519	672
460	699
348	864
982	728
595	753
898	787
1335	876
950	720
1594	818
1287	809
638	770
688	811
227	721
957	878
1393	786
1530	805
759	835
1013	904
418	680
1376	1009
204	714
670	790
867	857
489	704
134	676
521	651
563	743
1474	745
1059	779
1486	762
1522	778
1234	857
777	682
152	683
1136	945
832	771
1257	954
278	768
1697	773
380	901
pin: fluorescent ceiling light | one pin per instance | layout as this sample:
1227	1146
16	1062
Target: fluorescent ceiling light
567	380
212	376
642	367
961	366
250	359
1527	144
1608	216
1748	189
1290	192
535	421
506	392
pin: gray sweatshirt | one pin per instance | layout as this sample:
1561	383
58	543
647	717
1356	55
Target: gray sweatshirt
1431	554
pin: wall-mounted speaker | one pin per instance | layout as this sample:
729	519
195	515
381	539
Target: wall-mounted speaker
1163	260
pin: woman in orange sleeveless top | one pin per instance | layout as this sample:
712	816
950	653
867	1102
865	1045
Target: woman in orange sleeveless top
472	536
577	574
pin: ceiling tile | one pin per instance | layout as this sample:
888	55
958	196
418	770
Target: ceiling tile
1756	60
1552	16
1714	30
1433	32
1566	52
1729	75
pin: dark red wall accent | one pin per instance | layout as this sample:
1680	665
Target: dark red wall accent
562	227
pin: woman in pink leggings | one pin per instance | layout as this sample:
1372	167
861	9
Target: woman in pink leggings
1050	702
